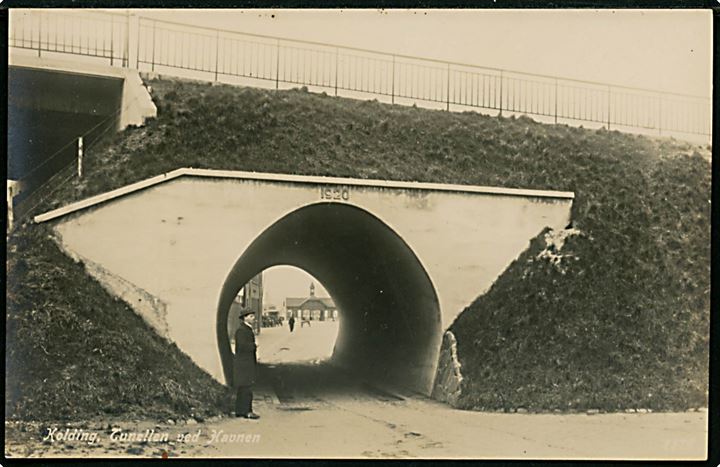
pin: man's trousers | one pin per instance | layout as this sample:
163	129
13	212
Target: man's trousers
243	401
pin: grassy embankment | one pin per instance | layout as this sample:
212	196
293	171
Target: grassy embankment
620	321
74	351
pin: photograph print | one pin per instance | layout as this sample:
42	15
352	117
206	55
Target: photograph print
358	234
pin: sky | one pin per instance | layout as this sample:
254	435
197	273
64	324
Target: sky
658	49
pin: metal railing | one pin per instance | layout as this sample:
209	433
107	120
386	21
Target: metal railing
84	32
232	54
222	55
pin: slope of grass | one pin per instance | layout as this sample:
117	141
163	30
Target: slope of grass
625	325
74	351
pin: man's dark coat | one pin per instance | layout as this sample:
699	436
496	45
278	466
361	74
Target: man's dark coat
245	358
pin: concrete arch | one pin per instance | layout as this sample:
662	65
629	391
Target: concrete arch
390	326
166	244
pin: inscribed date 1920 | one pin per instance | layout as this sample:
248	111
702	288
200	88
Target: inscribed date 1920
335	193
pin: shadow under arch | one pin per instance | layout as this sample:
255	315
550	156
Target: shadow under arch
390	326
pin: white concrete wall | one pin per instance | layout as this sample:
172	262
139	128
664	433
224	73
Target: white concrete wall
178	240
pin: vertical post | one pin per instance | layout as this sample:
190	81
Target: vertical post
152	63
57	43
39	33
501	92
447	107
556	100
112	41
217	53
277	66
660	115
80	157
10	216
392	91
337	62
126	54
137	39
608	109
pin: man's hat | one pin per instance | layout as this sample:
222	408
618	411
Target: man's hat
245	312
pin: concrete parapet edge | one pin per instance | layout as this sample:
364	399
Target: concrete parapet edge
101	198
263	176
65	66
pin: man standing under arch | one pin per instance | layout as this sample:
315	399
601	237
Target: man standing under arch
244	363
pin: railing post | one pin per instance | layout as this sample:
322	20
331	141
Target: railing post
608	109
126	59
501	92
447	107
152	62
80	157
39	34
112	41
337	63
392	91
277	67
137	55
217	53
556	101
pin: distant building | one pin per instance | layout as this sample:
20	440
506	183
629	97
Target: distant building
249	296
311	307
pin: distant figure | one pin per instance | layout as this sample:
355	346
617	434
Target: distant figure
304	322
244	363
291	323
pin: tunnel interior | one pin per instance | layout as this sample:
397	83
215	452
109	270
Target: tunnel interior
390	327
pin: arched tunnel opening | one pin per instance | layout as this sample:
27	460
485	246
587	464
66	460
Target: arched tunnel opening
298	319
389	328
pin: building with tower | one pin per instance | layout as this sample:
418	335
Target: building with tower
311	307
